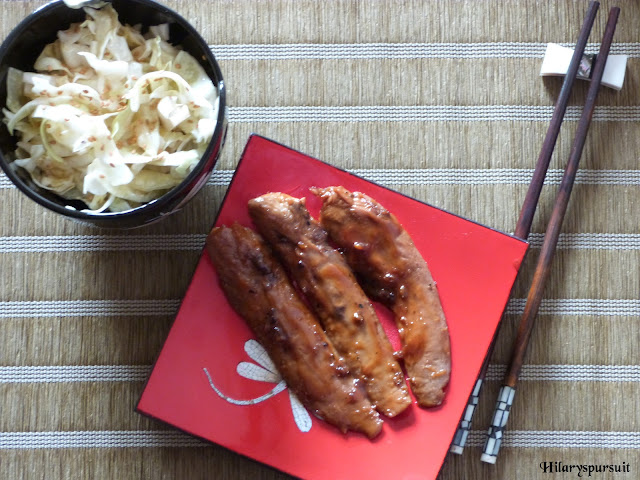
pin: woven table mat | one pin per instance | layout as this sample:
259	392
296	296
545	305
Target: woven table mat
440	100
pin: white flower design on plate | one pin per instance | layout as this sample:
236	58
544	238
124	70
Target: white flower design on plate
264	371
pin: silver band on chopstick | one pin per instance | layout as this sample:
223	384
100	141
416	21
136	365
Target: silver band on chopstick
496	429
460	439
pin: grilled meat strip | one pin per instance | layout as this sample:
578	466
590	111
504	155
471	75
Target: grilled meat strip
257	287
391	270
329	285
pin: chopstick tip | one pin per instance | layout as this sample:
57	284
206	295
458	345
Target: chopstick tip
486	458
456	449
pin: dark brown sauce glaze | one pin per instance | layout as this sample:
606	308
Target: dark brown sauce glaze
328	283
392	271
258	289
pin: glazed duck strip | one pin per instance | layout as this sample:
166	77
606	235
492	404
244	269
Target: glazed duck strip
329	285
392	271
258	289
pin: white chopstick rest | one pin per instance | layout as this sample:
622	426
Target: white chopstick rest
557	58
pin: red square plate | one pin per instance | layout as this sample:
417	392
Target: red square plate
474	267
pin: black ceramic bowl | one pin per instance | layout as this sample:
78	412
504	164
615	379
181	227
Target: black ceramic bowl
20	50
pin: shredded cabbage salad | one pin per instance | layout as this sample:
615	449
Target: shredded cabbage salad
112	117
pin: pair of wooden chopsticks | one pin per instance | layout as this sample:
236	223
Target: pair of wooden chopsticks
523	228
541	274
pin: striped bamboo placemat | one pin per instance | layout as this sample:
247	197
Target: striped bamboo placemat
440	100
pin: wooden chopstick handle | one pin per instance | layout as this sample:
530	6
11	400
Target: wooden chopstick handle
548	249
